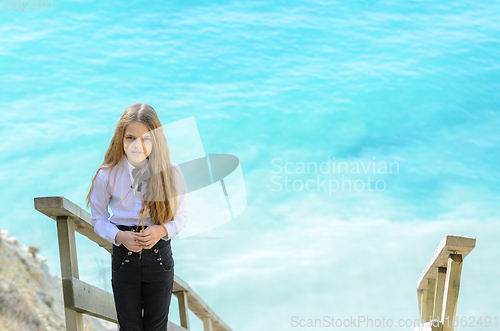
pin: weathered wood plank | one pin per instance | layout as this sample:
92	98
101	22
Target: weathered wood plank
94	301
198	306
423	309
67	246
74	320
438	302
69	265
431	289
451	289
183	308
60	206
420	294
207	323
85	298
451	244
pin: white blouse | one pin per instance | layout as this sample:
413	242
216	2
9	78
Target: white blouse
126	202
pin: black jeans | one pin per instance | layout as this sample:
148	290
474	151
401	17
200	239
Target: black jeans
142	283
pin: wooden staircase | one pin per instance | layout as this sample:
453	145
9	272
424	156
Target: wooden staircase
82	298
439	283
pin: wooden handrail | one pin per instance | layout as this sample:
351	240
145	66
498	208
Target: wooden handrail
80	297
439	283
449	244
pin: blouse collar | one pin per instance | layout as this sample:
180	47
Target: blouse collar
130	167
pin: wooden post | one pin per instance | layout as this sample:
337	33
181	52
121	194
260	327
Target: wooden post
431	289
423	303
207	323
438	301
69	266
451	289
183	308
82	298
419	296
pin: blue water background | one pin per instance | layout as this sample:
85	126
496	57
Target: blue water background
413	82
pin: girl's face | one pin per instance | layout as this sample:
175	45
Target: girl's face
137	149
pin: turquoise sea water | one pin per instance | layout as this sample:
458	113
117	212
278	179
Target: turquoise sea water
272	82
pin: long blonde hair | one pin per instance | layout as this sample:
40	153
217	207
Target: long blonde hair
159	162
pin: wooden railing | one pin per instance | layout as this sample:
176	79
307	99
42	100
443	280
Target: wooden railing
439	283
82	298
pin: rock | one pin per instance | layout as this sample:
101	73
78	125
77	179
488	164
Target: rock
30	297
34	250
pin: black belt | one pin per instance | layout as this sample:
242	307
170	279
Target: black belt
133	228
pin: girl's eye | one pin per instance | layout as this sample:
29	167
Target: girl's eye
133	138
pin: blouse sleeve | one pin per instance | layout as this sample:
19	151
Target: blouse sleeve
179	222
99	200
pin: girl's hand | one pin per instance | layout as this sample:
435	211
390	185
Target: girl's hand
151	235
130	240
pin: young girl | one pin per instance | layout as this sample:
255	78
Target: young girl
142	187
